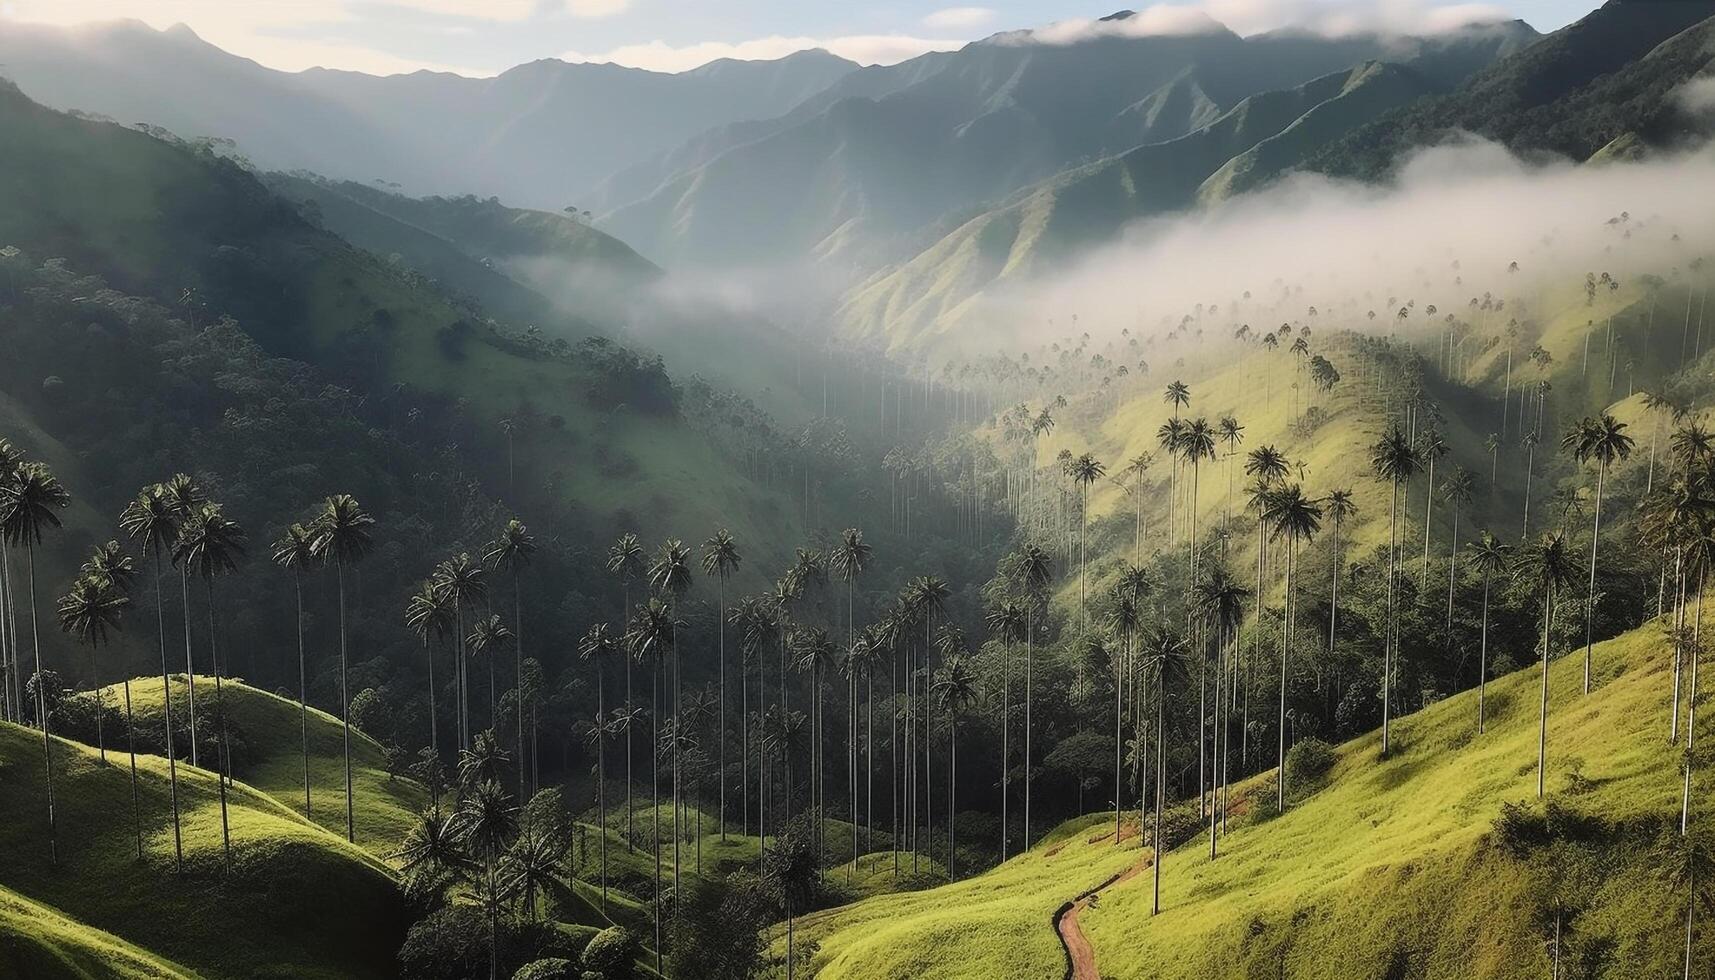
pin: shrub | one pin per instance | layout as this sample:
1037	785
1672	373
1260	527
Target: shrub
1307	764
552	968
610	954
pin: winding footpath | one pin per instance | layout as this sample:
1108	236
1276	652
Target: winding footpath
1080	955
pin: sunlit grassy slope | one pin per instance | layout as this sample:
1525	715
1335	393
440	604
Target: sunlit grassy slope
297	902
1388	870
268	728
37	941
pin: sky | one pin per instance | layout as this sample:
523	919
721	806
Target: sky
485	37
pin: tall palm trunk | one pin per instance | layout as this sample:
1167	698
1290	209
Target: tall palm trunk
223	758
1542	726
42	710
131	744
721	723
1387	641
1005	735
1691	712
1160	780
167	709
1029	658
518	674
345	704
1590	607
1483	660
190	672
601	770
1285	653
1119	709
303	689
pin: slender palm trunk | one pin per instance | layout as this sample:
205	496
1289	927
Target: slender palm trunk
1691	713
303	689
1160	780
1285	653
131	744
1590	606
1483	660
601	770
1119	709
518	674
1542	726
1029	657
721	723
190	672
345	704
1387	641
167	709
223	759
42	711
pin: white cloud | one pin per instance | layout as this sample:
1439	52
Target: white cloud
957	18
1334	18
596	8
1698	95
865	49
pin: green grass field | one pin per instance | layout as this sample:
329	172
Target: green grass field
274	914
383	807
1388	870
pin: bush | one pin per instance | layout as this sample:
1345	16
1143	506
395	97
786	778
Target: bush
1307	764
448	944
552	968
611	953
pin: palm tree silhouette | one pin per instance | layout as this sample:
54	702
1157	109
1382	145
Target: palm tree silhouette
1221	600
487	636
625	561
1548	563
1457	489
296	549
150	520
847	562
487	823
28	504
721	559
464	584
185	497
342	537
1084	470
1489	556
429	613
95	604
670	577
1163	654
956	689
1394	460
1035	570
652	639
511	552
211	544
1006	622
1297	518
1604	440
599	645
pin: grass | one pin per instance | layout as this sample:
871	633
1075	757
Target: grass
297	902
37	941
1388	870
268	726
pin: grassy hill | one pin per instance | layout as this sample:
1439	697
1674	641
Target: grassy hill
37	941
266	727
271	915
1391	868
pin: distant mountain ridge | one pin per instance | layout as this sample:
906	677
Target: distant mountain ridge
540	134
885	152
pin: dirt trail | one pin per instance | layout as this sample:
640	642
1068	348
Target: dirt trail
1080	955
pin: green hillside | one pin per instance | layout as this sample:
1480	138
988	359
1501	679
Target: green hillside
273	914
37	941
932	298
158	218
267	728
1359	877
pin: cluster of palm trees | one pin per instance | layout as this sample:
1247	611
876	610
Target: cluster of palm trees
171	522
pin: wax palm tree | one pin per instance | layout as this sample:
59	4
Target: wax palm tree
535	864
96	604
1006	622
867	654
721	559
848	561
210	545
1457	490
1171	437
1394	460
1035	570
596	735
1297	518
487	824
487	636
1339	506
295	550
670	577
28	505
1490	556
1229	431
1197	445
653	633
792	869
1432	448
431	854
429	613
186	497
1123	622
1692	868
1548	563
814	653
1221	600
342	537
511	553
626	561
465	584
111	564
1085	470
926	597
11	683
1178	394
957	690
1135	469
1161	653
1604	440
150	520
